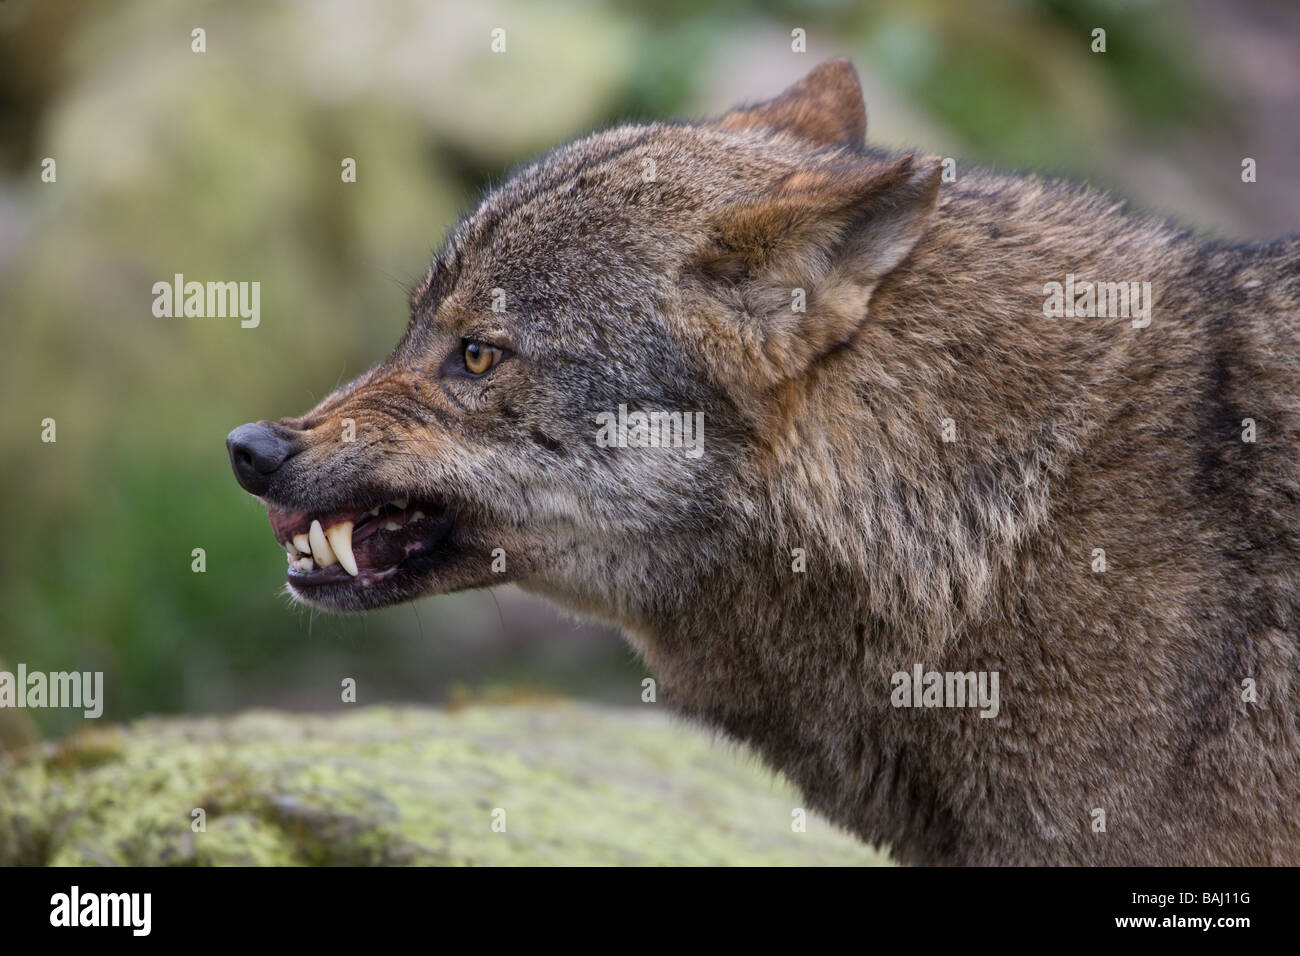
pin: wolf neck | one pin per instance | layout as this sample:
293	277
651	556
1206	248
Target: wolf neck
890	497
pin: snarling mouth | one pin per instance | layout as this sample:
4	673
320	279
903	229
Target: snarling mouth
358	546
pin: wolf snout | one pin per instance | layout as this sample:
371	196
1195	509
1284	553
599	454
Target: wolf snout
256	453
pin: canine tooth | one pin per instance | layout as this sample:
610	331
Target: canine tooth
320	548
392	526
374	512
304	564
400	502
417	516
302	543
340	539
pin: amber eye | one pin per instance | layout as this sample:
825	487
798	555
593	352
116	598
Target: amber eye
479	357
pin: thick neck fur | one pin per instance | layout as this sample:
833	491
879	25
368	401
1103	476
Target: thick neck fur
976	554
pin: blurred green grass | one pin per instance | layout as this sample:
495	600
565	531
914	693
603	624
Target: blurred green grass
225	166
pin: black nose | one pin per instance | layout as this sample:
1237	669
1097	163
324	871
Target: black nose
255	453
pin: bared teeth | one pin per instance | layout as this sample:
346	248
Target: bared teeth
392	526
374	512
417	516
400	503
340	542
320	547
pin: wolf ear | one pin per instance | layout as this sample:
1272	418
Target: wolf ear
796	267
825	107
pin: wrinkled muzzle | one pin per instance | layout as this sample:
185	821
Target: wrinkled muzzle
354	533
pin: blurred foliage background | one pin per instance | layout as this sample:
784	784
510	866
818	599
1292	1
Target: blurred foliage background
225	165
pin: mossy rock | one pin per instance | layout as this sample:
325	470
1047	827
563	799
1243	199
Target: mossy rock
574	784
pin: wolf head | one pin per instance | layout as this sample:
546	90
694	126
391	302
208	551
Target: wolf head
586	387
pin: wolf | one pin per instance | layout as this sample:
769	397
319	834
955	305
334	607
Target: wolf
916	459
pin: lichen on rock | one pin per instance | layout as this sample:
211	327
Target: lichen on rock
572	784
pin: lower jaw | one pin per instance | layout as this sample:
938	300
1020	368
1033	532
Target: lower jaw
334	575
342	592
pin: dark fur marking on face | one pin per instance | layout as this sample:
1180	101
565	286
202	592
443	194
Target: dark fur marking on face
550	444
439	283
